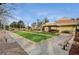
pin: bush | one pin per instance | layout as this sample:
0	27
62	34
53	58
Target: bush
77	30
65	31
54	31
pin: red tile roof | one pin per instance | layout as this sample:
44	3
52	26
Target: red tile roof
66	20
63	21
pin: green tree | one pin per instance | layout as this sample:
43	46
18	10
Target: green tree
20	24
13	24
7	27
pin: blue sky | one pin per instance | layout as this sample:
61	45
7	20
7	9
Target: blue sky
29	13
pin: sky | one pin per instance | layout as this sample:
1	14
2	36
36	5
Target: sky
30	12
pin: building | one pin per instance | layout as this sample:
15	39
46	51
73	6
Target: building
61	25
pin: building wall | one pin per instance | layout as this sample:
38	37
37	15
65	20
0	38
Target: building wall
46	29
53	28
61	28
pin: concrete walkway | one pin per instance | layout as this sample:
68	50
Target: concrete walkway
49	47
9	47
57	47
52	46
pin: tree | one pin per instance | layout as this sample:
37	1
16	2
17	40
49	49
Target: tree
20	24
6	27
77	18
13	24
5	12
29	27
33	24
37	22
73	19
45	20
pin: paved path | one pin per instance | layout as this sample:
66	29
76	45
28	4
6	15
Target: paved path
57	48
10	47
52	47
48	47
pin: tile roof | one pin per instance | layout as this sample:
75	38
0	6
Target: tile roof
63	21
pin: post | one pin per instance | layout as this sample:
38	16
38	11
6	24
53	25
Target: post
0	3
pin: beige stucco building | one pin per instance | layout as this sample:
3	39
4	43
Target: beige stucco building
63	24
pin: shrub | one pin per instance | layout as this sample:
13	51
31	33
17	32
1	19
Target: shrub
77	30
54	31
65	31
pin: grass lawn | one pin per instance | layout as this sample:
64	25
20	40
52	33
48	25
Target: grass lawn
35	36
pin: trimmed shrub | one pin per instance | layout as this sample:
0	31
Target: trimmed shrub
65	31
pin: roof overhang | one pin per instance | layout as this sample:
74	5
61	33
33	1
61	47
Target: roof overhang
60	24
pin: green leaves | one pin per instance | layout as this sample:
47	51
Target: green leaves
19	24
